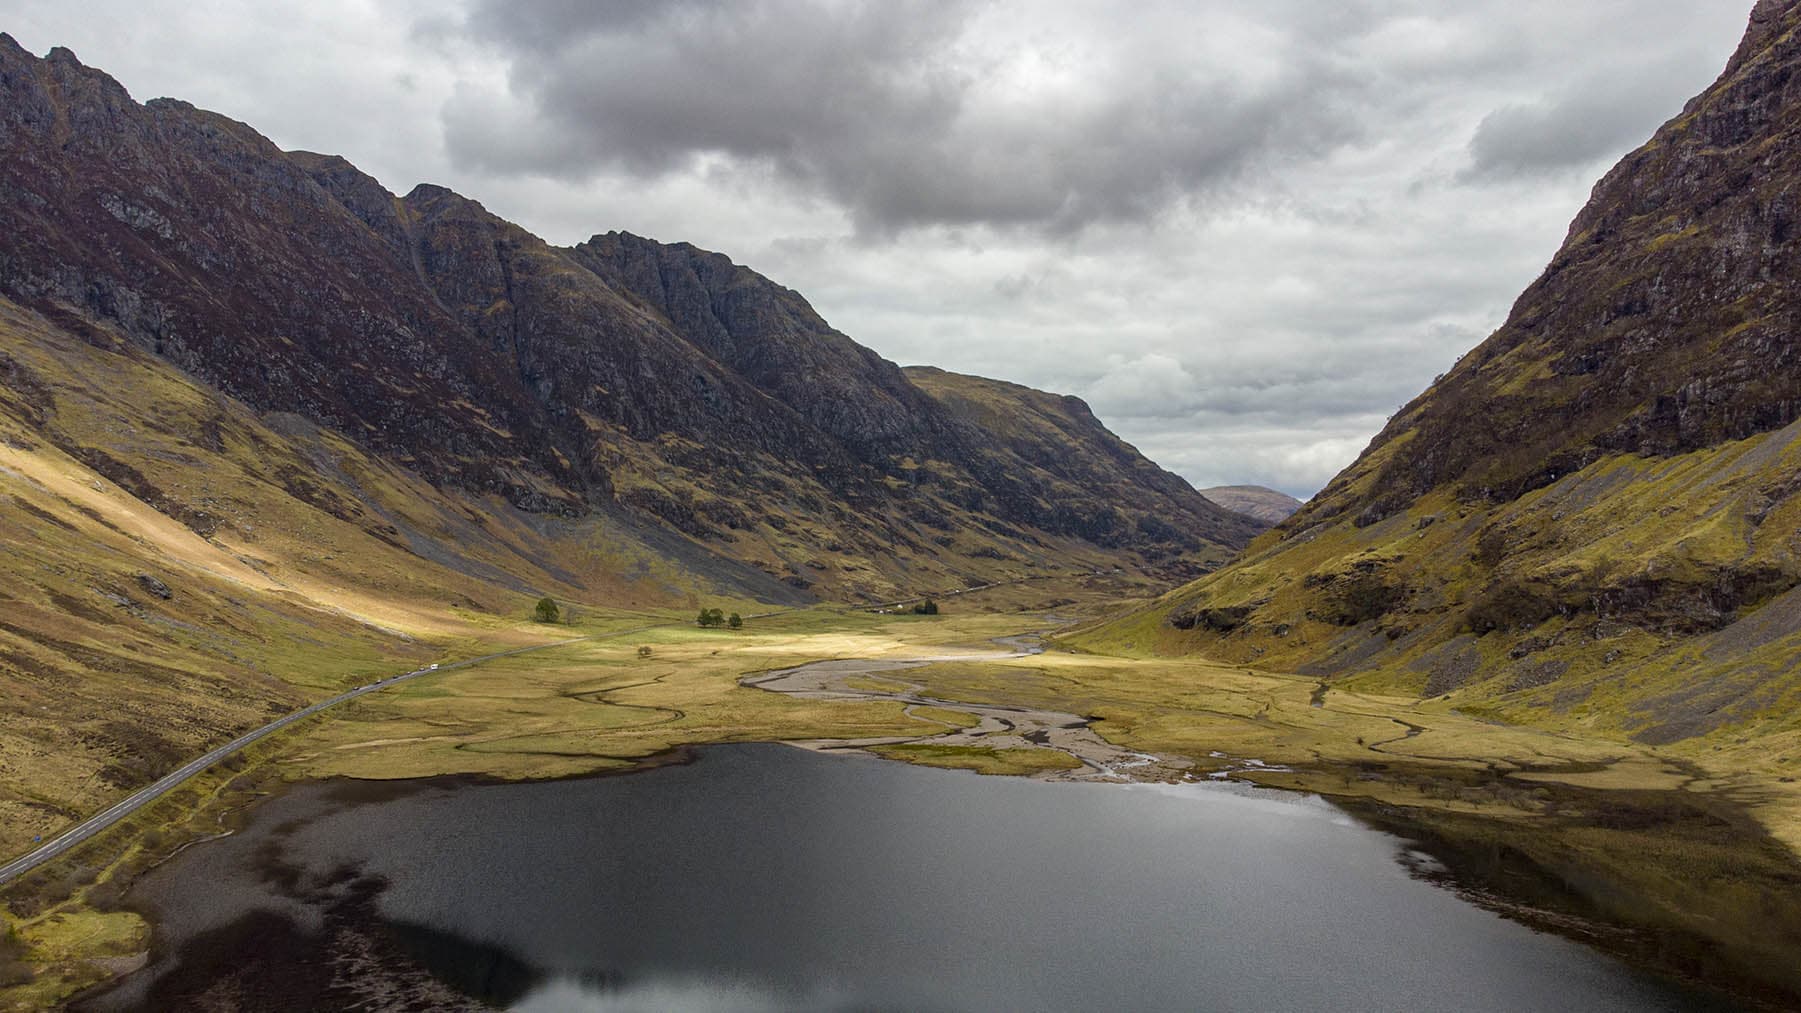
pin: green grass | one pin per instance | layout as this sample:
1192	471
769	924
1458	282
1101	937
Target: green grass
982	760
598	706
1688	522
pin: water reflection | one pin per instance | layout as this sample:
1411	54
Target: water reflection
765	877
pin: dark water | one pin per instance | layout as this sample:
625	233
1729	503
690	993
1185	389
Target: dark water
765	877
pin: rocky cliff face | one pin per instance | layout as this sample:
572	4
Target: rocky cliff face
621	375
1665	323
1593	516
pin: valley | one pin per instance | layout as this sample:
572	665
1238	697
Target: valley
353	541
1648	852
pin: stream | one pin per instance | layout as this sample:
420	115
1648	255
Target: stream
999	726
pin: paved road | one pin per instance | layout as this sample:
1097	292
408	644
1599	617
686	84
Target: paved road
80	832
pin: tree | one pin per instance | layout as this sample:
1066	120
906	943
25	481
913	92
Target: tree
735	621
547	611
926	608
710	617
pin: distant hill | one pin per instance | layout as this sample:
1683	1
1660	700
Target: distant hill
1267	505
1594	518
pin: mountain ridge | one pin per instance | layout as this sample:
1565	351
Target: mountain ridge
1591	520
487	359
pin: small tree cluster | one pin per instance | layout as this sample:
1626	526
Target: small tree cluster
547	611
710	617
926	608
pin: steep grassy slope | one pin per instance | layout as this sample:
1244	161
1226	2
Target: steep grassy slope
174	569
266	427
1078	471
1592	520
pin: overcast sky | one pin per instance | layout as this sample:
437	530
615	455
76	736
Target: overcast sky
1245	230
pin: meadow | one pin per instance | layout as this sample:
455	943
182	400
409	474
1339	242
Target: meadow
1601	837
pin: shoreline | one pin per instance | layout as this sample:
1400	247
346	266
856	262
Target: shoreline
346	923
1408	828
1489	817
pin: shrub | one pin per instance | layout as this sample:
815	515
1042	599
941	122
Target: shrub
1511	605
1492	546
547	611
1358	598
1220	620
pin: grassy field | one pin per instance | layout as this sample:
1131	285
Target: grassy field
601	705
1592	830
606	704
1019	762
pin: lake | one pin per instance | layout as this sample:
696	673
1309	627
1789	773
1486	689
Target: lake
769	877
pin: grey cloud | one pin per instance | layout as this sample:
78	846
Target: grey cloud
888	110
1594	119
1272	197
1297	458
557	24
1158	387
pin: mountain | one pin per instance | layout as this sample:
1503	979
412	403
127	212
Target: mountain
1266	505
621	375
267	428
1592	520
1110	493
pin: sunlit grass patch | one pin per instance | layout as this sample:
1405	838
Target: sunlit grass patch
981	759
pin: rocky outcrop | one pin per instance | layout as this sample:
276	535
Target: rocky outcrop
1664	324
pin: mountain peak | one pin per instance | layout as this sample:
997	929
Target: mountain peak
1657	328
1768	20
